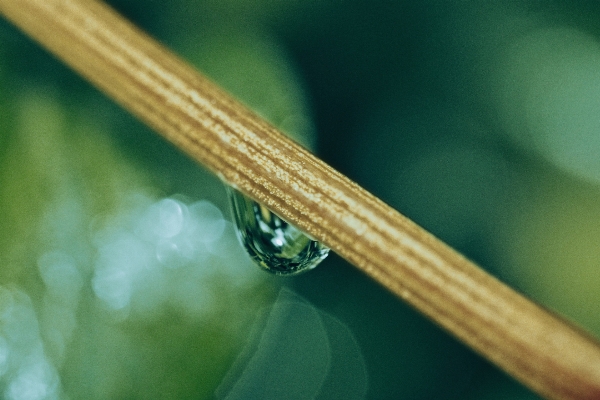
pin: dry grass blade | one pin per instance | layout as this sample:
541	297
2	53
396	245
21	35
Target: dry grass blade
540	350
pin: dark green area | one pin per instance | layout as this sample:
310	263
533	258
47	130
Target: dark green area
399	92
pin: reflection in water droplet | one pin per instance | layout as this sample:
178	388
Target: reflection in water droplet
271	242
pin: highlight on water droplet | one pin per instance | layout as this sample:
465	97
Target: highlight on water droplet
274	244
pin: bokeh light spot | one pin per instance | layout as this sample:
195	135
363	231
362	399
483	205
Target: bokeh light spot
60	275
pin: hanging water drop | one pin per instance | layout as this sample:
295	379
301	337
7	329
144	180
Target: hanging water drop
271	242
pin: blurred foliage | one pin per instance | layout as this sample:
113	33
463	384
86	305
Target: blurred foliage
478	120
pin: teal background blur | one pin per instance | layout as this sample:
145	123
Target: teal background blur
478	120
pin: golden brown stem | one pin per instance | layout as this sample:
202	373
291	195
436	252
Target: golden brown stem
535	347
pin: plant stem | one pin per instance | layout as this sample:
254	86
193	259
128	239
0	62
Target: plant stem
540	350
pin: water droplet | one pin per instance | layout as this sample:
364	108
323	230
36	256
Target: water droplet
271	242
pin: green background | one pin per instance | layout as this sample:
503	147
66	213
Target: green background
478	120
